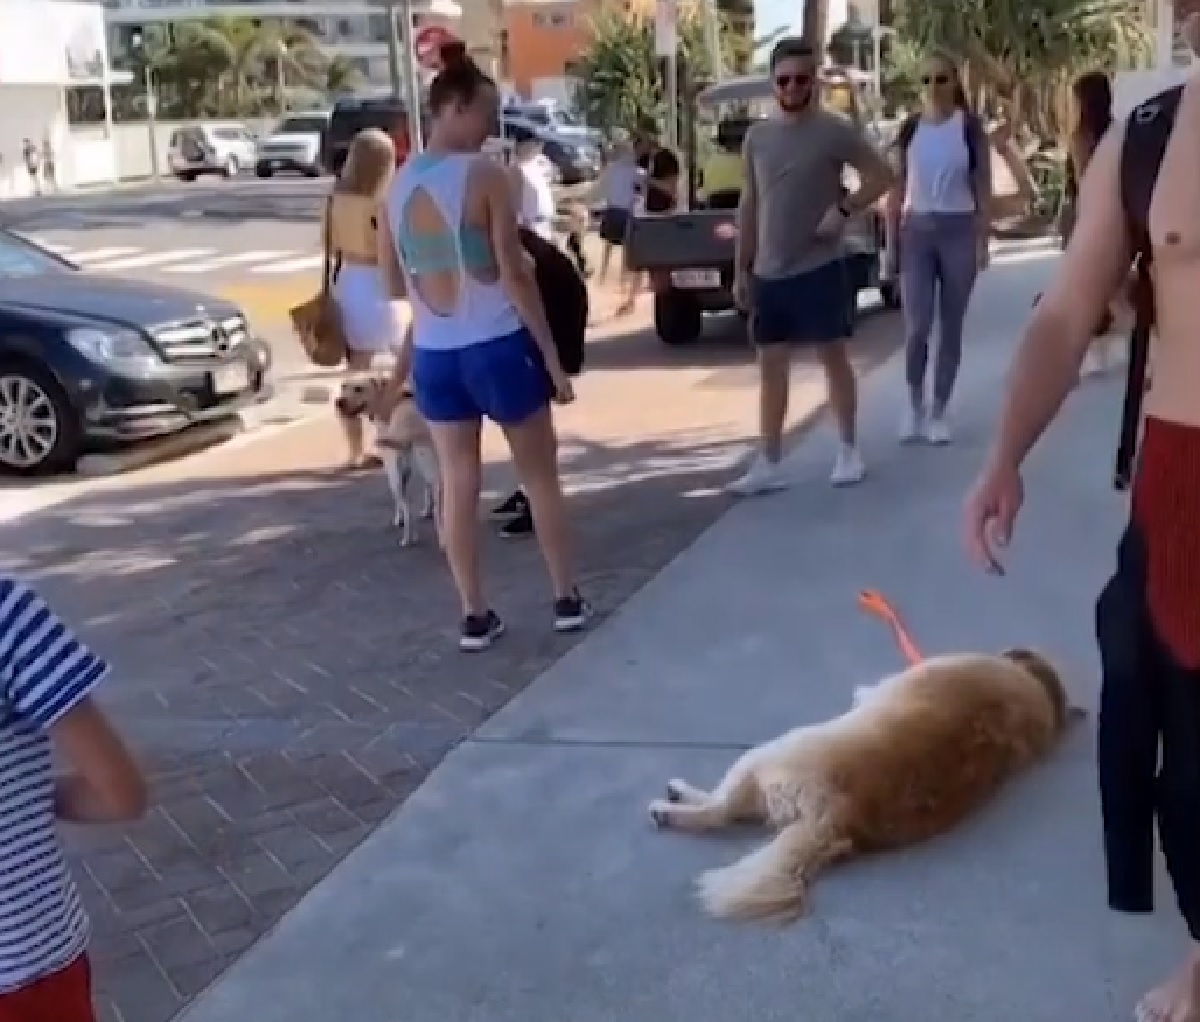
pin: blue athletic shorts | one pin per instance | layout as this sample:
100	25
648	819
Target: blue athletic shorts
815	307
503	379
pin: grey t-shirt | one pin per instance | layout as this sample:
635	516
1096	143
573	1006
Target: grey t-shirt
796	169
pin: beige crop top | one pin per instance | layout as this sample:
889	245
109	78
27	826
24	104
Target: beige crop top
350	221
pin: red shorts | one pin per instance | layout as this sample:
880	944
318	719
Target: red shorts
63	996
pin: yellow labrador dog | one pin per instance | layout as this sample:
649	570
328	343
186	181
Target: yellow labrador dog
404	446
915	755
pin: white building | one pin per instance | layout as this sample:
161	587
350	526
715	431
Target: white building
355	29
48	47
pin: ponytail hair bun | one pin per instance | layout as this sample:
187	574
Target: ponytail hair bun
453	56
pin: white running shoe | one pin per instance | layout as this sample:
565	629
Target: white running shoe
762	476
937	431
848	468
912	425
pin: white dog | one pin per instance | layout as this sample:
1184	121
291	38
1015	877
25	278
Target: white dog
405	448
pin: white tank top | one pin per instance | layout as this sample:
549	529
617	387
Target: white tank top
939	168
537	200
483	311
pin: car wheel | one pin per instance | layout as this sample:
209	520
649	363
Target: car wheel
39	431
187	175
263	170
231	167
678	318
889	291
314	171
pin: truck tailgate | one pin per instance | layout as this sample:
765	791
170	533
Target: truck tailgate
701	239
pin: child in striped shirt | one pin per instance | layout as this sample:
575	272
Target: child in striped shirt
47	677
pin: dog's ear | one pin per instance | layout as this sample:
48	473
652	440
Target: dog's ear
1046	674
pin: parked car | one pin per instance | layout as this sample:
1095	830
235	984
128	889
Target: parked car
549	116
89	360
350	116
575	159
295	145
225	149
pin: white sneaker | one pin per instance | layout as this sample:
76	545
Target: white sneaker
912	425
848	468
763	476
937	431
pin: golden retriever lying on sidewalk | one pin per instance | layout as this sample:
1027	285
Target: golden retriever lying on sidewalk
914	755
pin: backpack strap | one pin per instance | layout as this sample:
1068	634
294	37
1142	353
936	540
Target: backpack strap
1147	132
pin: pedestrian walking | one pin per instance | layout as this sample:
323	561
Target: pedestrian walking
790	273
943	204
47	713
620	184
1148	615
370	320
33	165
481	345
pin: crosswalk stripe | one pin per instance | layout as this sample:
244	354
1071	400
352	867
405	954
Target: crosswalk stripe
233	259
92	255
149	259
308	262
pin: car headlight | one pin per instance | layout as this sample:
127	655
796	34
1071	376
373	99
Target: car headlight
118	349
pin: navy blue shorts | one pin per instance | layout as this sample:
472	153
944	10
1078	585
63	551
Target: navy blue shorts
815	307
503	379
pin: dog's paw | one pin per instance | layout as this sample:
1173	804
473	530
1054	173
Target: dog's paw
407	539
660	813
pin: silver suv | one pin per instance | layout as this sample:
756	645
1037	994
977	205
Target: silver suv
225	149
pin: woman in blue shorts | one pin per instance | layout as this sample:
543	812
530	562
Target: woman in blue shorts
480	344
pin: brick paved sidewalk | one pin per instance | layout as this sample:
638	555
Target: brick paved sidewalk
290	675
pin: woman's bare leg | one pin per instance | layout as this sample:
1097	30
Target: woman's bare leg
352	425
457	445
535	453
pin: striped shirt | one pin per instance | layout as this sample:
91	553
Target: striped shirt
45	672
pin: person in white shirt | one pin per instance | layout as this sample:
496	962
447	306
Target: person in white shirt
532	190
619	187
941	206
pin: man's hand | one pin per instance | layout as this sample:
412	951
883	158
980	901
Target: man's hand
991	513
741	289
832	224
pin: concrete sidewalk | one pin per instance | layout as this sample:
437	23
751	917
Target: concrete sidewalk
523	881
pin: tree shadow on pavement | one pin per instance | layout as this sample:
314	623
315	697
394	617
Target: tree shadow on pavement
289	675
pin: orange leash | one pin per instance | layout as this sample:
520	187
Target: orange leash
875	603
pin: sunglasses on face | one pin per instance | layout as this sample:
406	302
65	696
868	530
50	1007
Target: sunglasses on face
939	79
788	81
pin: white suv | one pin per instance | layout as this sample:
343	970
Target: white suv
224	149
295	145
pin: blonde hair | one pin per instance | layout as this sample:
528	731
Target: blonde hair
370	161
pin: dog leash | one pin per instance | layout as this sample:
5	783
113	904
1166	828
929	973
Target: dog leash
876	603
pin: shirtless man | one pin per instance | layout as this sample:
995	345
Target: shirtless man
1148	617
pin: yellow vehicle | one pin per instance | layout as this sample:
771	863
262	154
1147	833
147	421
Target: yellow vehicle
690	253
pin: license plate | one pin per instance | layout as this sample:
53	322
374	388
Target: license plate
230	379
696	279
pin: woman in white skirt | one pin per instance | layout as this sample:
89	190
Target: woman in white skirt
351	219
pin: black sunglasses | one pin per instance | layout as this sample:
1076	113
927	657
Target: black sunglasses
942	79
787	81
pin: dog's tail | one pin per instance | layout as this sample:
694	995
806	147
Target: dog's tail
771	883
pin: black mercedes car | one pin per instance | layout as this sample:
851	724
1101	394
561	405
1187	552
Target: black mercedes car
88	360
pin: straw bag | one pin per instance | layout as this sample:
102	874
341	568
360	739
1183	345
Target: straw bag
318	321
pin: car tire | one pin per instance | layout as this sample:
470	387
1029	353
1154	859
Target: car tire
312	171
889	291
32	387
678	318
230	168
187	176
263	170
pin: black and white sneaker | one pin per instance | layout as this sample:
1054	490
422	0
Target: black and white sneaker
479	631
521	525
571	613
516	504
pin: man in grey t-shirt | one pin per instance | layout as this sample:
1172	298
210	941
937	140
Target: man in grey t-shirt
791	273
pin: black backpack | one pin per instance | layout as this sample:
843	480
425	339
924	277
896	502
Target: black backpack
564	296
1147	133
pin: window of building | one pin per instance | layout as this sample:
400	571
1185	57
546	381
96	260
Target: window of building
553	19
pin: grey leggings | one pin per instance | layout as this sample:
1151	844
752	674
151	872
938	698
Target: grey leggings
938	263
